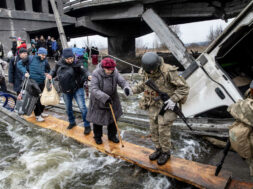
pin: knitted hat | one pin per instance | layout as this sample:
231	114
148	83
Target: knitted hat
22	50
67	53
251	84
108	63
42	51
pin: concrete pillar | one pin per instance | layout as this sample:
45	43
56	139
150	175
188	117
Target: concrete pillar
10	4
28	5
121	46
45	8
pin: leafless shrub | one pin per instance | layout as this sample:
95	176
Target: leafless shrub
214	33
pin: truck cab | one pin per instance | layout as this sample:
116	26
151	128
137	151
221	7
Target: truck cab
222	73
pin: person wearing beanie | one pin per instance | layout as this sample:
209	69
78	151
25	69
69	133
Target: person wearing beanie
105	79
32	50
21	45
249	92
37	69
15	76
71	76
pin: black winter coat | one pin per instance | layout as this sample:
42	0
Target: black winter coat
81	74
15	76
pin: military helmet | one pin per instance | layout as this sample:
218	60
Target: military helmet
150	62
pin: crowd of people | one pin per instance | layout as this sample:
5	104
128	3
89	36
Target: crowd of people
71	73
53	47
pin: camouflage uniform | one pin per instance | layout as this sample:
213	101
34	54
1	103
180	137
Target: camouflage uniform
169	81
242	111
248	94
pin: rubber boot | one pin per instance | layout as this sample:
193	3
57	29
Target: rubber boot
98	140
112	132
155	155
87	130
113	139
163	158
98	132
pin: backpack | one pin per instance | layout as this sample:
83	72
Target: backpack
67	81
240	139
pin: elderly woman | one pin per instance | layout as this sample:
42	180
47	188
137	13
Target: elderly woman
105	79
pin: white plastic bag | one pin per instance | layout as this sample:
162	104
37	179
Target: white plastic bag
49	97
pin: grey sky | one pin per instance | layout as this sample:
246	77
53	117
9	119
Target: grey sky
190	33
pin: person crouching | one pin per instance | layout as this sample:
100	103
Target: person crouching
105	79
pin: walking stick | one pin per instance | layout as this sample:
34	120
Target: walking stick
113	115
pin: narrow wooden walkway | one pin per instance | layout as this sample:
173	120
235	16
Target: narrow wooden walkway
197	174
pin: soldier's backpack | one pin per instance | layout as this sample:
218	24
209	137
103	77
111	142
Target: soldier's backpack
239	136
240	133
67	81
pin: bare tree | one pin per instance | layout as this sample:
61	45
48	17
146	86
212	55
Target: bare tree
214	33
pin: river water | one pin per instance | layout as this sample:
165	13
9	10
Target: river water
37	158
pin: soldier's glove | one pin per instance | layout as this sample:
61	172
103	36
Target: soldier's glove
164	96
128	91
109	101
169	105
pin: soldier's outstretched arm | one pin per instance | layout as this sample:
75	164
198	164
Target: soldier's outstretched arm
139	88
182	88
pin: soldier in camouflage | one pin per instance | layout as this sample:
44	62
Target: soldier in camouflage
168	80
249	92
242	111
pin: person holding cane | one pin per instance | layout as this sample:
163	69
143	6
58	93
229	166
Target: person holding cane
105	79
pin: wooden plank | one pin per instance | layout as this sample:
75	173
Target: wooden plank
235	184
197	174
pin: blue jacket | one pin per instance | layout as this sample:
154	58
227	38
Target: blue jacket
54	46
15	76
37	68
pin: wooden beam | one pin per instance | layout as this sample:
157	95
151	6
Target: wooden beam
167	36
194	173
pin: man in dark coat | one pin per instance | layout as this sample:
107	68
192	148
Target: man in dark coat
42	42
72	74
14	46
105	79
15	75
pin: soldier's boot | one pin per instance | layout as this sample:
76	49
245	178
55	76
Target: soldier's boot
163	158
155	155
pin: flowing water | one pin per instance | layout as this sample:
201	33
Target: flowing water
37	158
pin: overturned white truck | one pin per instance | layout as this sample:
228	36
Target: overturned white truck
211	75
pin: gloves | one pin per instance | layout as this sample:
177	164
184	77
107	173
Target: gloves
164	97
109	101
128	91
169	105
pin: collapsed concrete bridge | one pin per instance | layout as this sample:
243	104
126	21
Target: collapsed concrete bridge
119	20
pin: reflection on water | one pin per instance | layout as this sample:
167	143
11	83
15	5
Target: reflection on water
36	158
